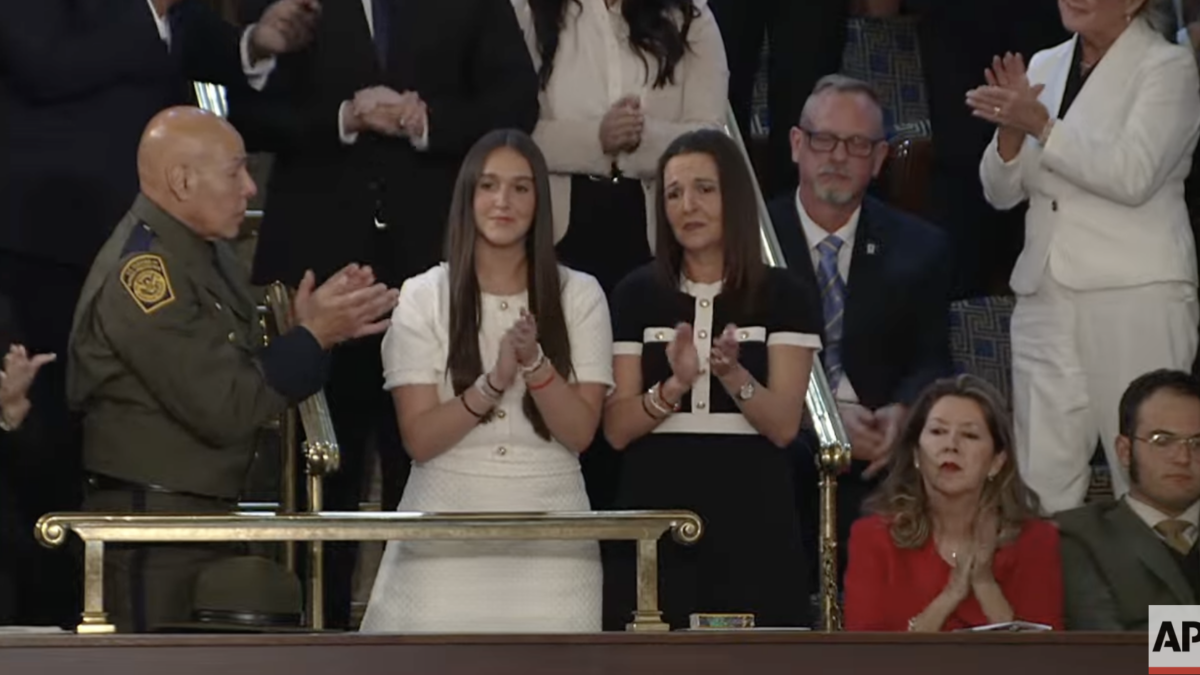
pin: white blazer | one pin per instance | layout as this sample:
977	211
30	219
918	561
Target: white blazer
1106	206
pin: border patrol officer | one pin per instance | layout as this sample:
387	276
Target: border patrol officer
167	359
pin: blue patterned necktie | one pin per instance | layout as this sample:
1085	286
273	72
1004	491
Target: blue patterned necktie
833	304
381	24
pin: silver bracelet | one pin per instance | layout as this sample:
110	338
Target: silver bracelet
526	371
486	389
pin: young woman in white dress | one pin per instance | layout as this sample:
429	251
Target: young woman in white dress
499	363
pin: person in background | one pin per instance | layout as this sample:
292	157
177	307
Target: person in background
886	326
1098	134
954	539
712	356
79	80
619	81
167	363
956	41
20	444
1120	557
806	43
369	126
499	363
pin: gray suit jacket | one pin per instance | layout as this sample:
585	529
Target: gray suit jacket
1114	568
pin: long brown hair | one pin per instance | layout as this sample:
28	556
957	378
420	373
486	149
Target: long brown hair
902	498
744	267
464	361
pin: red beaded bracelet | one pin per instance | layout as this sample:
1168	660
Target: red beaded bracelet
545	383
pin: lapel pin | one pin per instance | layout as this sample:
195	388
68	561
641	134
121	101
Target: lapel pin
870	248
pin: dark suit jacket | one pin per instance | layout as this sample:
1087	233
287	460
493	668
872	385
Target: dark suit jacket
895	336
79	80
1114	568
468	61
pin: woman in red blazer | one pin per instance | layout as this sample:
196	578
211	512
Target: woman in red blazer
954	539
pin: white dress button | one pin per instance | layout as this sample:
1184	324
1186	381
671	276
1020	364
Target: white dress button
703	335
659	335
705	304
504	305
701	405
501	414
744	335
502	451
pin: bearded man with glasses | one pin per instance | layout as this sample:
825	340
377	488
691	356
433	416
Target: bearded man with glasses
1119	557
882	278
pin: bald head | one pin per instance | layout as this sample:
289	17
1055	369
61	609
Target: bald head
192	164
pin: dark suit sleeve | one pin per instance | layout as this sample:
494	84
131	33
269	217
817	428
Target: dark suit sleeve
504	85
931	348
210	48
47	58
1088	601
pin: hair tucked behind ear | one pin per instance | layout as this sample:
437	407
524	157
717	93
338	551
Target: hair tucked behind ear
658	30
464	362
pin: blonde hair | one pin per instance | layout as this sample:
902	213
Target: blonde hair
901	498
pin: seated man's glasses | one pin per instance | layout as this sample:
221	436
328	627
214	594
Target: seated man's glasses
856	146
1162	440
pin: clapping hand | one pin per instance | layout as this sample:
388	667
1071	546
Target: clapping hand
525	338
682	355
348	305
725	350
986	535
285	26
15	380
1008	100
505	370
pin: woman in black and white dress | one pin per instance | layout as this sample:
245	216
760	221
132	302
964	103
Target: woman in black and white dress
712	357
499	363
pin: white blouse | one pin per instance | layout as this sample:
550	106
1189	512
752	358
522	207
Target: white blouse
416	347
594	67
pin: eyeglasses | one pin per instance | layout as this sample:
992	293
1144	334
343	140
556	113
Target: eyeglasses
856	146
1163	440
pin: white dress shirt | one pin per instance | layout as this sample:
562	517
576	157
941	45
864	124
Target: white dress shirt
1152	516
256	74
350	138
814	234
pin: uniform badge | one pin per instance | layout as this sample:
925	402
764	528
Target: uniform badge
145	277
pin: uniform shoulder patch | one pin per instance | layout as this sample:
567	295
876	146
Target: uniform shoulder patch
145	277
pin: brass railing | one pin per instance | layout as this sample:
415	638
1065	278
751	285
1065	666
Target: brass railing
645	527
834	455
321	458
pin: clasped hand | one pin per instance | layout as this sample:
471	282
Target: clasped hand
1008	100
973	568
349	305
387	112
622	126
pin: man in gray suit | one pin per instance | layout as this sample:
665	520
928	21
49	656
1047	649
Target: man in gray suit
1120	557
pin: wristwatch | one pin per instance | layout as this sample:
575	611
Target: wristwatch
747	391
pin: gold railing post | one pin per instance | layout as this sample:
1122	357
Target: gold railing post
647	618
834	454
95	620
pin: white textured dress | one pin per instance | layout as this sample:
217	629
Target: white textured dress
491	586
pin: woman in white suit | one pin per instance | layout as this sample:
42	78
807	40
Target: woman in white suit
1098	137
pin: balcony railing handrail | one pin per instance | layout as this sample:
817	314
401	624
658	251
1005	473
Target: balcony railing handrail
98	529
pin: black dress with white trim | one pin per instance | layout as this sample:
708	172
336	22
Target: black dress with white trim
708	458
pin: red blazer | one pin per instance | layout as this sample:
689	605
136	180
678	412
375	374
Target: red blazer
887	585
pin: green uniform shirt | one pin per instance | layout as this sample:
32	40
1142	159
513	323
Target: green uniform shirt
168	364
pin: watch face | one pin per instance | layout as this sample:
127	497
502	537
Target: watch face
747	391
